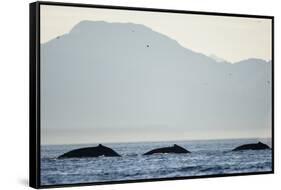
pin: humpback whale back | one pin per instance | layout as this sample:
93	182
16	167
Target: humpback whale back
256	146
174	149
97	151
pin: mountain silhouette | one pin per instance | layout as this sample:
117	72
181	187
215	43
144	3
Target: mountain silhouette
103	73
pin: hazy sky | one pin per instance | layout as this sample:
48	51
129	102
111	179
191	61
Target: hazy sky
230	38
101	82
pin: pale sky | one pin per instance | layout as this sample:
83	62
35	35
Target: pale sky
230	38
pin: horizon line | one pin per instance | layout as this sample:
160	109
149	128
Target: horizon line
125	142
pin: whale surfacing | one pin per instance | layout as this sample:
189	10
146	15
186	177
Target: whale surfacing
176	149
256	146
97	151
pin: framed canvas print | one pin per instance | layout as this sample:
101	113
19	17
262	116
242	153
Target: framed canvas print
123	94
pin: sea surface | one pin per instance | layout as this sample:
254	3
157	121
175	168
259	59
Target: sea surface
207	157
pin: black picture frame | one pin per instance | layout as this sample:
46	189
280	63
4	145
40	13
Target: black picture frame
34	91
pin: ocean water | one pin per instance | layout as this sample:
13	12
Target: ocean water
208	157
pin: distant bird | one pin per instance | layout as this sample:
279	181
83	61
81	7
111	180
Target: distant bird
147	45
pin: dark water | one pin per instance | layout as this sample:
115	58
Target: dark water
207	158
